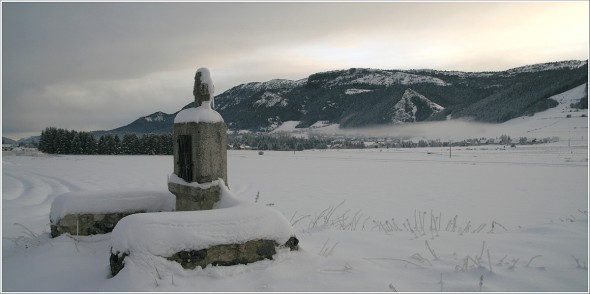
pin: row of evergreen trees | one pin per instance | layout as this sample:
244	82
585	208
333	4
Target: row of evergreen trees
63	141
278	142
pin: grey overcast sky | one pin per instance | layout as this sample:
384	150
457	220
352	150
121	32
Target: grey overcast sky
93	66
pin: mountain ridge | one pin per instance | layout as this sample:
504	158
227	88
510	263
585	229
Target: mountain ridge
358	97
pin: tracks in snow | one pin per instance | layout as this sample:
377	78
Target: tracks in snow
29	189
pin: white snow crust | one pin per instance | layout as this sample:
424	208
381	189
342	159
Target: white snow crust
273	84
569	64
232	221
158	116
165	233
385	78
110	201
537	192
173	178
356	91
203	113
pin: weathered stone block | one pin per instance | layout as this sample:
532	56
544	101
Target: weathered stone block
189	198
97	212
223	255
88	224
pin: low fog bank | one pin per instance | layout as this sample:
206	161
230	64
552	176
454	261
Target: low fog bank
572	126
441	130
563	121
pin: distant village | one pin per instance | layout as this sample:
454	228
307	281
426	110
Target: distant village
284	141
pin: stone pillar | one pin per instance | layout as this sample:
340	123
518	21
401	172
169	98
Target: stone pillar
209	150
203	131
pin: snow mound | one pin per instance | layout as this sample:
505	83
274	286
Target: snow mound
203	113
110	201
233	221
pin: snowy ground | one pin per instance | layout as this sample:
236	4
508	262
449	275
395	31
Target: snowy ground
535	194
367	220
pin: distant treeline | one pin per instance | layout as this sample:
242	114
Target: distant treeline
63	141
278	142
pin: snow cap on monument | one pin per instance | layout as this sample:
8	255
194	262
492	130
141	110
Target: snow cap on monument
204	89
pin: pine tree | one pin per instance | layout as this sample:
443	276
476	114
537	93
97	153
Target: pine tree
102	145
130	144
43	141
76	145
117	145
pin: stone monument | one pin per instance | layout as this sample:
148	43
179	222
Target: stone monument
200	150
210	225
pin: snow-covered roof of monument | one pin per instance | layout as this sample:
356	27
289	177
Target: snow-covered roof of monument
202	113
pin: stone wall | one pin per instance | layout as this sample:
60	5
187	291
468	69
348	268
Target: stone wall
222	255
88	224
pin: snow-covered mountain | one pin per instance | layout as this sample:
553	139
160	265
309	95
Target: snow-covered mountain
6	140
236	94
359	97
414	107
569	64
269	99
156	123
377	77
156	116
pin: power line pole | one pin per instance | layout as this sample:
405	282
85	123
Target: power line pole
450	148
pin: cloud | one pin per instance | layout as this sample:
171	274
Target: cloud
101	65
93	105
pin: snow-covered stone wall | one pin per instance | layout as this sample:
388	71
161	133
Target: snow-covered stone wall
234	232
97	212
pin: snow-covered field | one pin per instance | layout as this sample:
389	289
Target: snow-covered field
489	218
535	196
